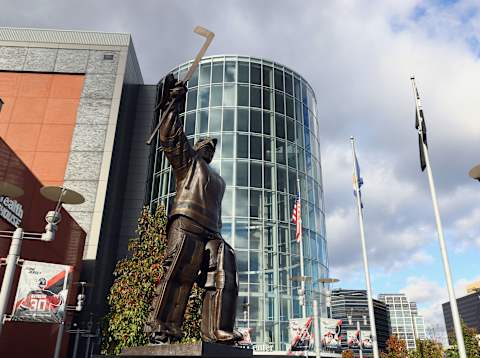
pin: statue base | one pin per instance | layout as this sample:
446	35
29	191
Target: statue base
179	350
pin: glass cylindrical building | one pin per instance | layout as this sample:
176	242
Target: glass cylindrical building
265	119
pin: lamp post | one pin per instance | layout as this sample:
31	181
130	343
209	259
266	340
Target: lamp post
475	172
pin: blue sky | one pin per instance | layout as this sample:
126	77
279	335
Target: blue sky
358	56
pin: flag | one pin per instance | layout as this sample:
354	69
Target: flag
297	219
357	178
422	130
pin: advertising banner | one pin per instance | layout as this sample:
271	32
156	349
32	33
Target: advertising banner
330	329
353	338
42	292
366	339
300	331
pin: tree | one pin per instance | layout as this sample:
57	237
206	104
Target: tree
348	354
133	289
396	348
427	349
472	343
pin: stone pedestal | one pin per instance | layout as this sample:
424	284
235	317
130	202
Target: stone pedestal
202	349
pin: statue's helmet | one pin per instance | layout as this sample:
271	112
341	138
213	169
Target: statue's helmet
205	141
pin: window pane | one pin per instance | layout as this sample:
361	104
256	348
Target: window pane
288	84
190	124
281	180
268	171
191	100
292	183
280	126
267	123
242	146
227	172
216	96
255	73
299	134
202	122
242	95
289	110
242	174
280	151
255	121
230	71
292	155
203	97
278	79
267	99
267	149
194	79
227	203
255	208
241	205
242	119
256	97
215	120
267	76
296	84
227	146
298	112
205	69
228	120
255	175
279	105
256	147
229	95
217	72
290	130
268	213
282	206
243	72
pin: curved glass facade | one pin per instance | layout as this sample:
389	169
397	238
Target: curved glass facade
265	119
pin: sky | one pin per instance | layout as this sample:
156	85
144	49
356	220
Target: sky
358	57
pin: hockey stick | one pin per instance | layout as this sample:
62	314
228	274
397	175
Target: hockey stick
209	37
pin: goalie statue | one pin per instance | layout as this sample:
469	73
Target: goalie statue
195	252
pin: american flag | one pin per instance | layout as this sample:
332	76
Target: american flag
297	219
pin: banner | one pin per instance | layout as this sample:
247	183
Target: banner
367	340
300	333
247	339
330	329
353	338
42	292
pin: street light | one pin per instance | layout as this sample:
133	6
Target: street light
475	172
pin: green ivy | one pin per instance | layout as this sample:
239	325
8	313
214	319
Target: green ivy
134	286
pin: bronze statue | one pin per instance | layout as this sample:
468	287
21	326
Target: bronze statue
195	252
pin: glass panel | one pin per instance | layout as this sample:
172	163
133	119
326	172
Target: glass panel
229	95
267	123
216	96
205	69
255	205
256	147
279	105
190	124
194	79
267	149
241	205
296	84
217	72
267	99
228	120
290	130
230	71
227	146
267	76
256	97
280	126
227	171
203	97
289	110
256	231
278	79
298	112
281	180
282	206
242	256
215	120
256	121
255	73
255	175
292	155
242	174
268	170
268	211
227	232
243	72
242	119
227	203
292	183
242	146
299	136
191	100
202	122
281	152
242	96
288	83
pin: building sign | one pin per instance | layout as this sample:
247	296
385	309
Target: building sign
42	292
330	329
300	334
11	210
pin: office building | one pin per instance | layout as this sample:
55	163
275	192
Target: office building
405	321
468	309
265	119
351	306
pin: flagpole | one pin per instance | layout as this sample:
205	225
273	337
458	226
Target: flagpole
364	255
302	268
443	249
